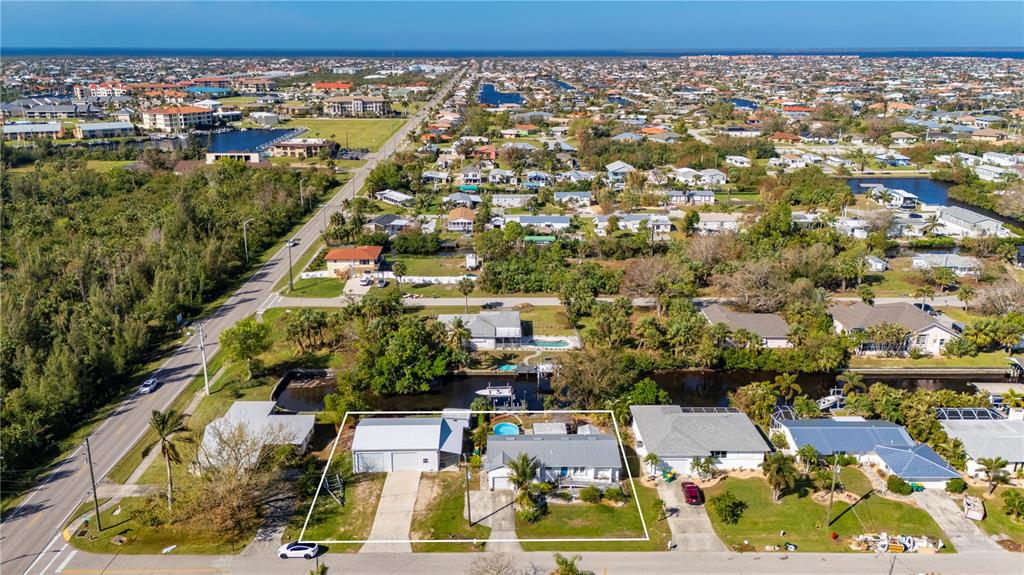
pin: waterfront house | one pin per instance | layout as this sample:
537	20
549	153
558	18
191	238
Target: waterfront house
893	159
962	266
489	329
104	130
923	331
21	131
460	220
770	327
262	426
986	433
569	460
384	444
678	435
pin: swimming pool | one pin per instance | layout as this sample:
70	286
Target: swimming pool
506	428
508	367
556	343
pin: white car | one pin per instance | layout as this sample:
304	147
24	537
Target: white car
149	386
365	280
297	549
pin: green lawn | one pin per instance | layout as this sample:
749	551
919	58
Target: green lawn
986	359
432	266
584	520
318	287
349	132
351	521
805	520
237	100
442	518
996	521
145	540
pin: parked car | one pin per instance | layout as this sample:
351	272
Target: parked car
692	493
149	386
491	305
365	280
926	308
298	549
382	282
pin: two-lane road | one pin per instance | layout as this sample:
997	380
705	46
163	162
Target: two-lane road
30	539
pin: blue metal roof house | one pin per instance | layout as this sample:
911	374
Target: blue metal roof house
881	443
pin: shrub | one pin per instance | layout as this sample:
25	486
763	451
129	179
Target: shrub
960	347
898	486
1013	502
779	441
614	494
956	485
845	459
531	514
563	495
590	494
727	508
918	353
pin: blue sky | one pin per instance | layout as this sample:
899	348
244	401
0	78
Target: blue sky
512	26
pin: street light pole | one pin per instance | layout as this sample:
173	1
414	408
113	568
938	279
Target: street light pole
92	475
202	350
245	239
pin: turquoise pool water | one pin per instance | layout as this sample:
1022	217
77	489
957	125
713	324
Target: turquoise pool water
508	367
558	343
506	428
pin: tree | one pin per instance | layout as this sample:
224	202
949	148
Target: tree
866	294
704	467
852	381
568	565
652	460
246	340
806	408
809	456
457	340
994	469
780	471
400	269
165	425
466	286
1013	503
586	379
756	400
786	386
523	470
1013	398
924	292
965	294
726	507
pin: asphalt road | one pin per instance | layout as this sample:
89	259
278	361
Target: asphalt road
34	527
996	563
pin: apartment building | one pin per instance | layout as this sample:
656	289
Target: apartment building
176	118
357	106
104	130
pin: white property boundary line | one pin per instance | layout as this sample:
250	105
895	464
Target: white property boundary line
622	451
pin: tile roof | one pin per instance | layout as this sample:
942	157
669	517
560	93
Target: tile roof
354	253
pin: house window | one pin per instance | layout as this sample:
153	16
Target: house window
921	339
639	444
425	460
718	454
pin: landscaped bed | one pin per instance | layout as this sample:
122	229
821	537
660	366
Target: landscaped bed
798	519
439	514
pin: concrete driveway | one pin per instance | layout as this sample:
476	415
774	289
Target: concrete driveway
394	514
690	525
965	535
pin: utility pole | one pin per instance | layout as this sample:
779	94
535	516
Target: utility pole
469	509
245	239
291	284
202	350
832	492
302	193
92	475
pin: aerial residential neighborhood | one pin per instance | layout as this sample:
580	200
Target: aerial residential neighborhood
512	302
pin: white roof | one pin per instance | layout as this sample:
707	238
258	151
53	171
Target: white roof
408	434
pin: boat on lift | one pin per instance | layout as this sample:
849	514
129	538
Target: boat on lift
496	391
834	400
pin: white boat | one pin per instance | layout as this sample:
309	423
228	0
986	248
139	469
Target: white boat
505	391
834	399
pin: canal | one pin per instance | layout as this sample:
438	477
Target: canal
489	95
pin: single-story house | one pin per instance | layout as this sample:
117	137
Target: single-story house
712	177
985	438
385	444
773	330
462	199
882	443
489	329
691	197
713	222
395	198
358	258
740	161
262	426
678	435
565	460
961	222
391	224
657	224
510	200
925	332
958	264
541	221
577	198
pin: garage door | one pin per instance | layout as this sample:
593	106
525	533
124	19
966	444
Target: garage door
370	462
500	483
405	461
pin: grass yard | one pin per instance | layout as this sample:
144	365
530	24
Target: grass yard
804	520
432	266
318	287
349	132
442	517
238	100
145	540
996	521
330	520
584	520
985	359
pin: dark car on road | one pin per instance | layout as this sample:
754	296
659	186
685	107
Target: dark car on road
692	493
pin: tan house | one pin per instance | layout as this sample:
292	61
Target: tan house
341	261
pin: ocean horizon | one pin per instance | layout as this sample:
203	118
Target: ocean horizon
995	53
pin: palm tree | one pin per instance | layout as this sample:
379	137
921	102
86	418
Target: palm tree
994	469
466	286
1013	398
567	565
808	456
965	294
457	339
400	269
924	293
867	295
652	460
852	382
524	470
781	473
786	386
930	225
165	425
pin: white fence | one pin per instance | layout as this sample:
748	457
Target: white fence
441	280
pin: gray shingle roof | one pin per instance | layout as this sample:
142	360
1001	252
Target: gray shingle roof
488	324
599	450
668	431
858	315
767	325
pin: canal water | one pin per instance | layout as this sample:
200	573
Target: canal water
253	140
929	191
697	389
491	96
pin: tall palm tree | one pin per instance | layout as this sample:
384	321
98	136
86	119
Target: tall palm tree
652	460
965	294
400	269
852	382
786	386
994	469
781	473
466	286
930	225
925	292
1013	398
524	470
457	339
165	425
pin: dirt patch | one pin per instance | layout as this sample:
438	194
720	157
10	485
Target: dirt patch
429	487
1011	545
822	497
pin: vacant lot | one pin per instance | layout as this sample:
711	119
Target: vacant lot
440	516
349	132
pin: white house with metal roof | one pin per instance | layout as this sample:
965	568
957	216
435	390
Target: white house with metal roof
678	435
489	329
565	460
385	444
262	426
